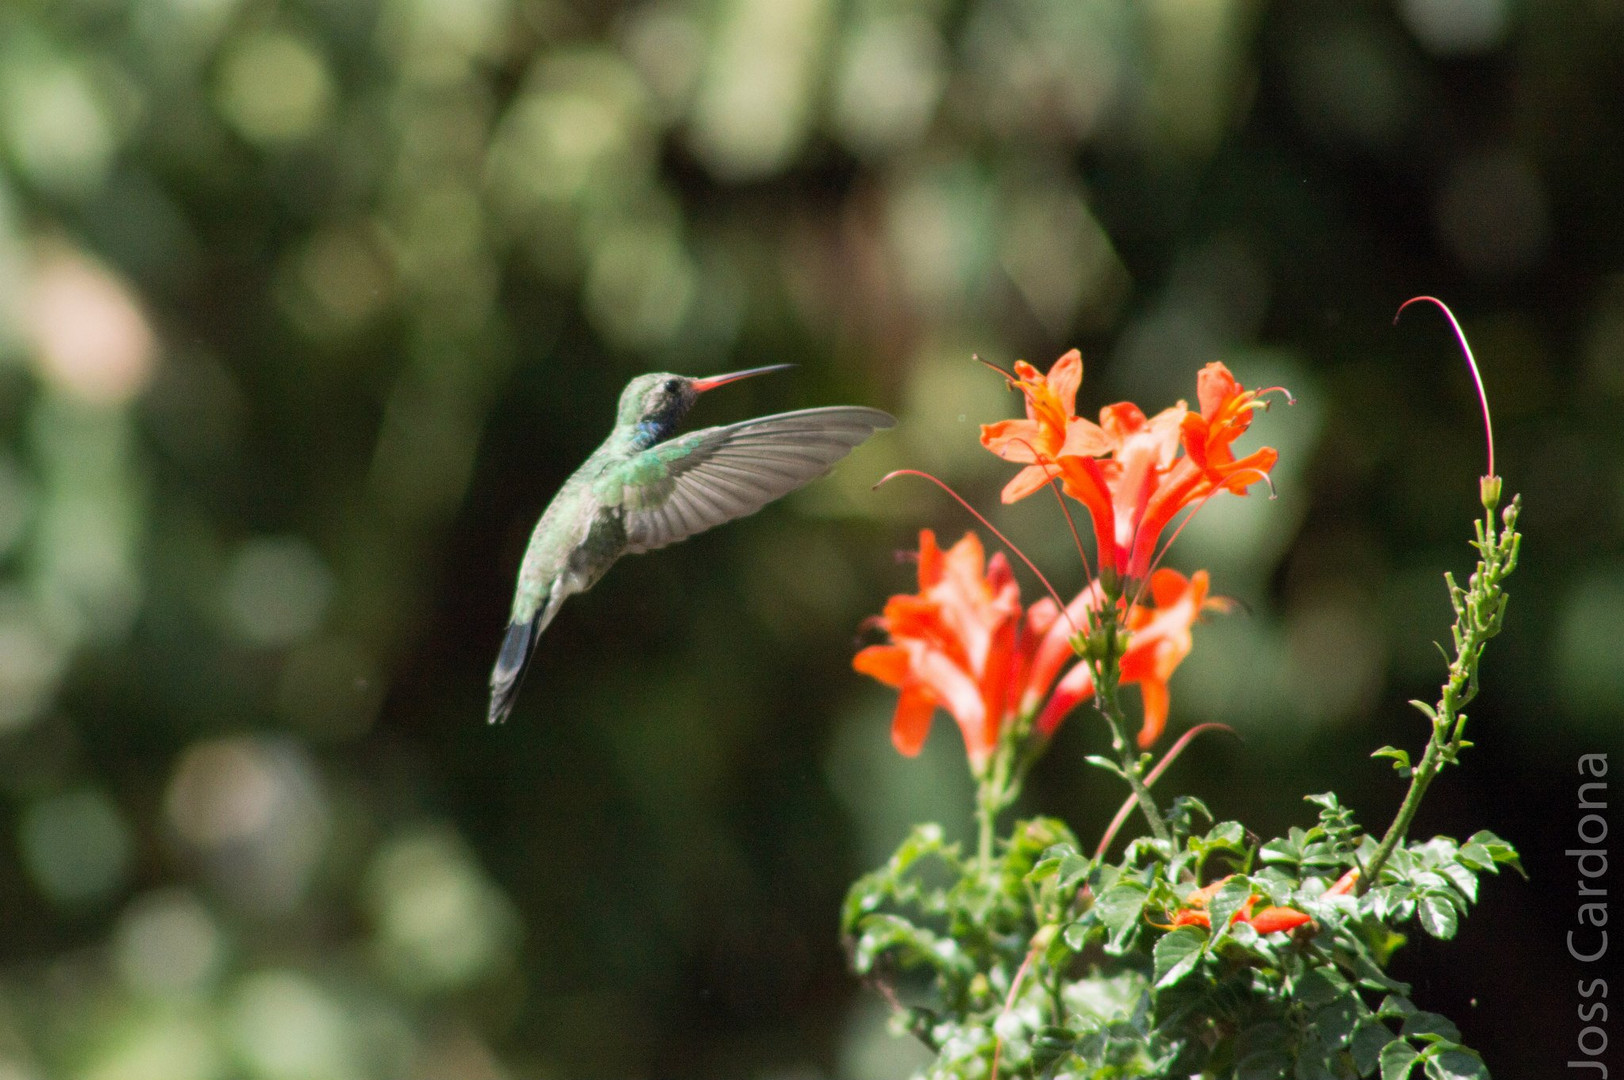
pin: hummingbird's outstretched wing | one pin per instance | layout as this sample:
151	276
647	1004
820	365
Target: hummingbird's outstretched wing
702	479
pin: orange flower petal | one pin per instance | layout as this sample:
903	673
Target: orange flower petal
1012	440
1157	701
930	560
911	723
1214	387
1275	920
1030	479
1071	691
887	663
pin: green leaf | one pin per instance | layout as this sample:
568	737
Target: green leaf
1185	809
1338	1020
1282	850
912	945
1427	710
1326	801
1229	899
1397	1059
1105	763
1438	915
1462	878
1049	1044
1394	1006
1401	758
1177	954
1368	1039
1073	868
1082	933
1429	1025
1120	908
1456	1063
1320	986
1475	856
1043	871
1498	850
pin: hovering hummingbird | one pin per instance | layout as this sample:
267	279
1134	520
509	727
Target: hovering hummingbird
642	490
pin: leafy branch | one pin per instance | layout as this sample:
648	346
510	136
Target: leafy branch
1480	611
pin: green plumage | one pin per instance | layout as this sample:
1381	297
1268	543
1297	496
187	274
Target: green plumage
643	489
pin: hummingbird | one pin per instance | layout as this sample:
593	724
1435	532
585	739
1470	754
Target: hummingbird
643	489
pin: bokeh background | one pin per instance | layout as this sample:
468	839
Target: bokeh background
308	306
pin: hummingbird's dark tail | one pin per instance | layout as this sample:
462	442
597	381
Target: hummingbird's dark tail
508	673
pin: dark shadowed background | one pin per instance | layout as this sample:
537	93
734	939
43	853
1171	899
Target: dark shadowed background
307	307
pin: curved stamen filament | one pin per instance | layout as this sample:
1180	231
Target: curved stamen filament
1009	376
1471	362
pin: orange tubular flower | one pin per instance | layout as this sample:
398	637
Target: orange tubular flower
1051	428
1271	920
1161	640
1128	469
963	643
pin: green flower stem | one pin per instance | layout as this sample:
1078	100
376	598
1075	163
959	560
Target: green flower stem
996	789
987	807
1107	677
1480	612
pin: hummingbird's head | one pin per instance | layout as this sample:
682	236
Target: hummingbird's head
655	404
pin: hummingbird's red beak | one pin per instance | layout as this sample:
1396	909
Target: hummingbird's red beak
702	385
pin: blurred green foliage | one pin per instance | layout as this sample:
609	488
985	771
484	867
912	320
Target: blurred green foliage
307	306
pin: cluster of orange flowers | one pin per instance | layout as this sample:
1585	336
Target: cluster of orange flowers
1270	920
965	643
1127	469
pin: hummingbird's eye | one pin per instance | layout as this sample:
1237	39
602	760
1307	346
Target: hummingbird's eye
672	386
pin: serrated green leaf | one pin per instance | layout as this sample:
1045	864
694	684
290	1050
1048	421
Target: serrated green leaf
1119	909
1281	850
1438	915
1423	1024
1229	899
1073	868
1177	954
1462	879
1457	1063
1397	1059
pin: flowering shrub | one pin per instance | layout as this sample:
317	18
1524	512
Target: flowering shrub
1037	956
